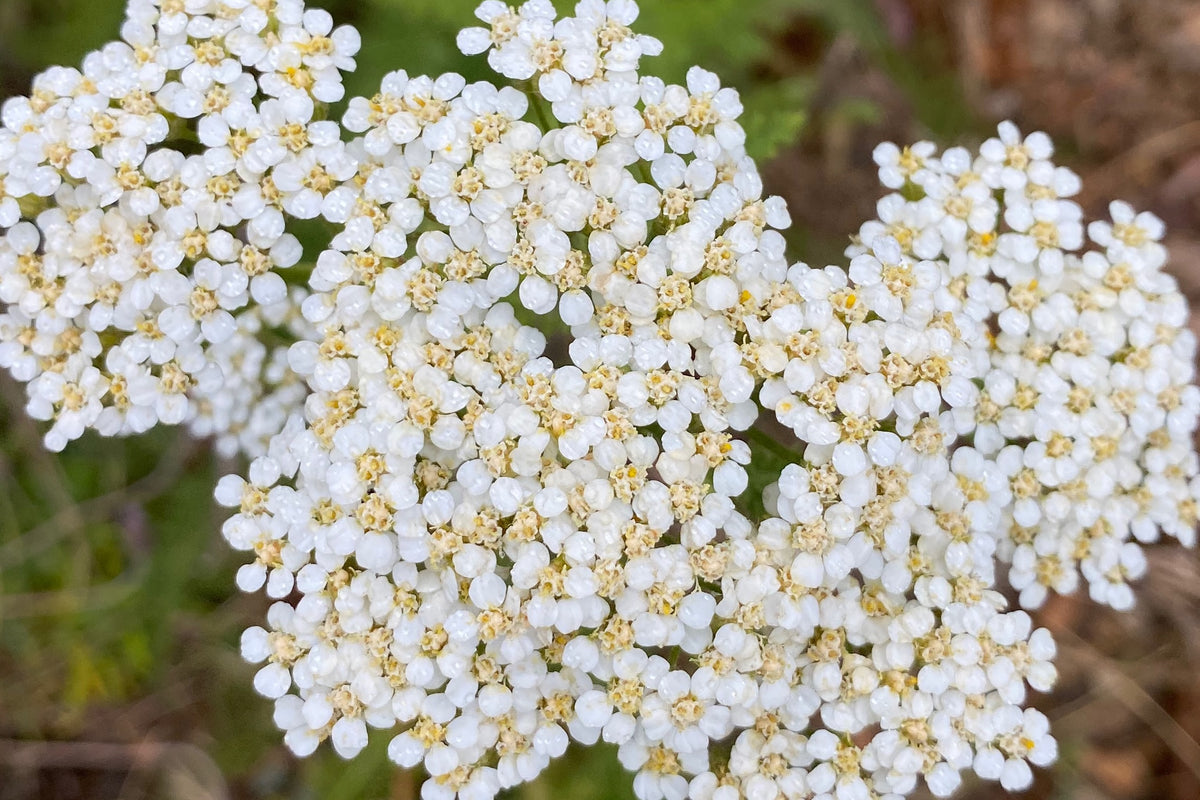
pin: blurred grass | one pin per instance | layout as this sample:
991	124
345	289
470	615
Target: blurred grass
119	620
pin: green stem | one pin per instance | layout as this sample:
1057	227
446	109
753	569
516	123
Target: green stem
31	205
760	438
538	104
644	173
181	130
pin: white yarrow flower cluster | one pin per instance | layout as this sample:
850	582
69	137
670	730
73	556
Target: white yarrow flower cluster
144	202
1088	408
557	445
497	553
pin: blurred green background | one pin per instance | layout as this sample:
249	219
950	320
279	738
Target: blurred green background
119	620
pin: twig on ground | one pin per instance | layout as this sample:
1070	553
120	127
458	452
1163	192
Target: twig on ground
140	757
1112	678
46	534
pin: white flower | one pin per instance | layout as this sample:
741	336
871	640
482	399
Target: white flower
491	543
141	248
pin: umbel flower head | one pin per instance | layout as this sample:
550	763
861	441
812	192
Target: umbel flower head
1087	409
583	457
145	199
497	551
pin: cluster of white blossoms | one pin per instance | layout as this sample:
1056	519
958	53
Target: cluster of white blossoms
491	553
1087	409
144	204
564	448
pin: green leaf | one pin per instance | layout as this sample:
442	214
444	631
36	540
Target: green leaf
40	33
775	116
367	776
583	773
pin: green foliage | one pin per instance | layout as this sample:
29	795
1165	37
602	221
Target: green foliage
417	36
592	773
39	33
729	37
852	18
775	116
91	580
368	776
